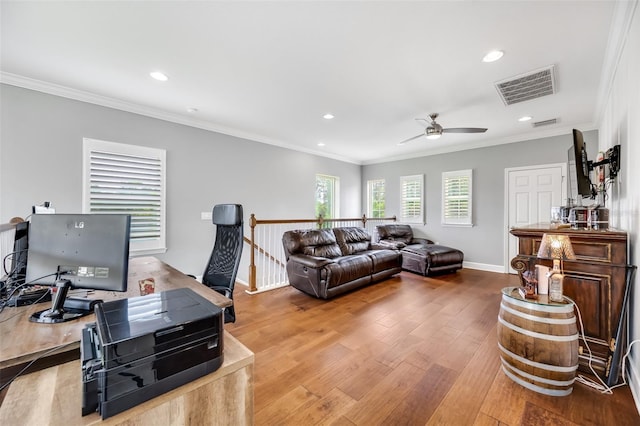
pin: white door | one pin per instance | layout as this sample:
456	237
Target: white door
531	192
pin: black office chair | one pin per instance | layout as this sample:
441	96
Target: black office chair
222	268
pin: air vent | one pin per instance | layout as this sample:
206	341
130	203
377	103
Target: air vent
545	122
527	86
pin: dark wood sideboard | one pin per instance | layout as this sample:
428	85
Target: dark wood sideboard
596	281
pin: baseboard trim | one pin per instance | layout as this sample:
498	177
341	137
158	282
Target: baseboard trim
484	267
633	378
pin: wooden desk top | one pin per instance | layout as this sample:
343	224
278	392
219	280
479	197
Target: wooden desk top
53	396
23	341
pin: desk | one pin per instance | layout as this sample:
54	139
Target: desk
22	341
53	396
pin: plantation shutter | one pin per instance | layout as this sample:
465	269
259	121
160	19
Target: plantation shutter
411	205
376	198
127	179
456	196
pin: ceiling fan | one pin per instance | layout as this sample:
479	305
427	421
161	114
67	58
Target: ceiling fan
434	130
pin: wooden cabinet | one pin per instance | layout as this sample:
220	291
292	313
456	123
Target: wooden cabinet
596	281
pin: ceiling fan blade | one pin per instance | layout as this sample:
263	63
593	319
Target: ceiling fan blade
410	139
464	130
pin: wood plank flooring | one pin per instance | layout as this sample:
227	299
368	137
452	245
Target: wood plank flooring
407	351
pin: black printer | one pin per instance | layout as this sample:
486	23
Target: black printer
141	347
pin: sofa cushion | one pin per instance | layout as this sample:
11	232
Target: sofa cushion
352	240
312	242
384	259
348	268
395	232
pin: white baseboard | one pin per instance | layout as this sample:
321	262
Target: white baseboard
633	378
484	267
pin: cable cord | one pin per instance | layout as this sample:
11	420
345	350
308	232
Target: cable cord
50	351
3	303
599	385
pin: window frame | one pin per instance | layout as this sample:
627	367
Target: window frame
373	186
91	147
334	203
447	178
415	218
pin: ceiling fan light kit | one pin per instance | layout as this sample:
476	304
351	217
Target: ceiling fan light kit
433	133
434	130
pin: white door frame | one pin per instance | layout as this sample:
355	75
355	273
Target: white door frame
563	192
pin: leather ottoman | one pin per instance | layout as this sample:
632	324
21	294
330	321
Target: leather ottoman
431	259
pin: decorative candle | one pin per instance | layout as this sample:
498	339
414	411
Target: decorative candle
543	279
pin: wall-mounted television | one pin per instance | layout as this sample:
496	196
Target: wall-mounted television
77	251
579	168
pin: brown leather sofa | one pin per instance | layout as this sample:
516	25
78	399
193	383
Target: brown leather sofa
327	262
419	255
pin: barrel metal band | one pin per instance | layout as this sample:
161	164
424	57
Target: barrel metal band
561	321
536	335
537	378
538	307
548	367
531	386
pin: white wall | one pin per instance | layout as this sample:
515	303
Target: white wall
41	160
620	124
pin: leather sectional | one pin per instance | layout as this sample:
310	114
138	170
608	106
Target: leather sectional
327	262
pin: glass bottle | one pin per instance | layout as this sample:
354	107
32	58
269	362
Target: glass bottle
555	287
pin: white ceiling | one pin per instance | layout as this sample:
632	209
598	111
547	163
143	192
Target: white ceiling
270	70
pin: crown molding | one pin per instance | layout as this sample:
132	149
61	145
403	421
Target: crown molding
105	101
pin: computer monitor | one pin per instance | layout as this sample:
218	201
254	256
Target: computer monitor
77	251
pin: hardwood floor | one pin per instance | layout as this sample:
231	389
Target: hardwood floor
407	351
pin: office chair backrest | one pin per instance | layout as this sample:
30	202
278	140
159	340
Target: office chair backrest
222	268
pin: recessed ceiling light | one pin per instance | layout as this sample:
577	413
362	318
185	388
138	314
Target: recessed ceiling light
525	118
320	143
328	116
159	76
492	56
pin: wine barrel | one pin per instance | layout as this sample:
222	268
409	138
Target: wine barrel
538	344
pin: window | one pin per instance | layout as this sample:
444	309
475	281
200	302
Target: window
327	196
127	179
375	198
456	198
411	204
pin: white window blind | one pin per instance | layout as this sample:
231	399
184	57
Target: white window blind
376	198
127	179
456	197
411	203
